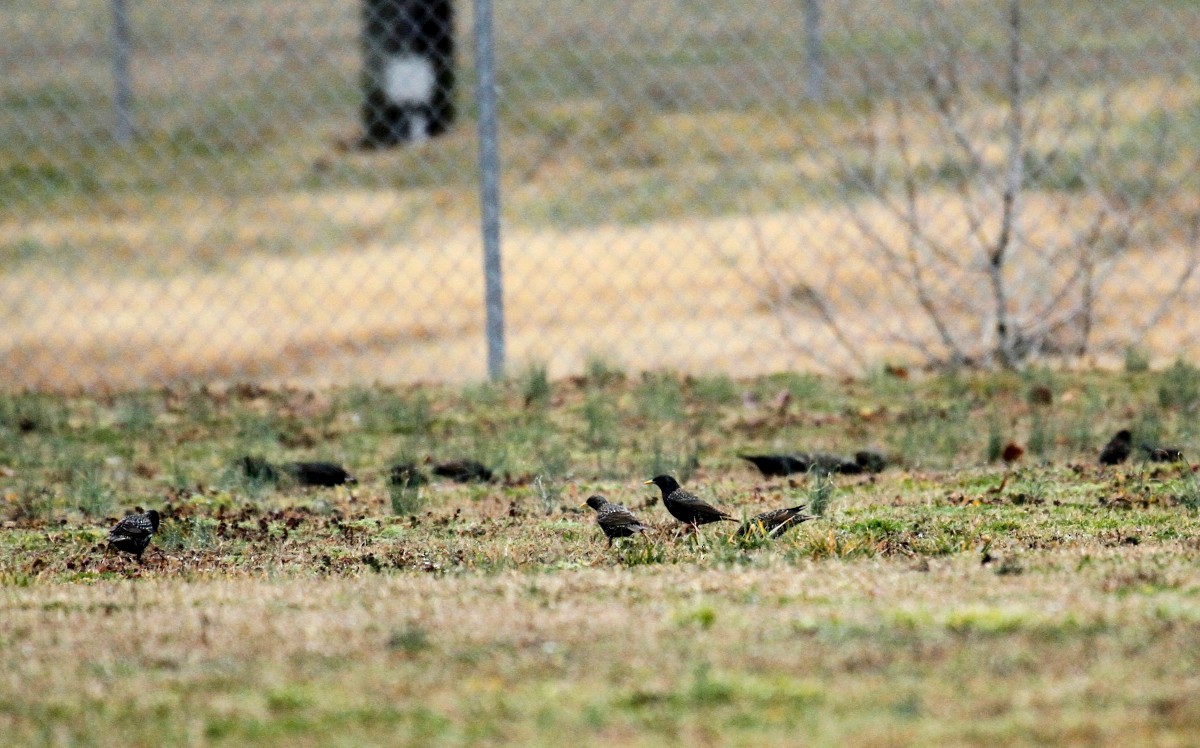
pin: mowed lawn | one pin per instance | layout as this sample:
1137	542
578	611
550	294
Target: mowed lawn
954	598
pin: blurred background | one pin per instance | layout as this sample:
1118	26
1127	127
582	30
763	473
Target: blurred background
189	192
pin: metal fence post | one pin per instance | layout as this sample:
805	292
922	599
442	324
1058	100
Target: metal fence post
489	186
122	81
814	50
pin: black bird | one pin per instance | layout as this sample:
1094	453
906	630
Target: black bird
870	461
1162	454
778	466
463	471
1118	448
824	463
684	506
315	473
132	534
774	523
615	520
319	473
406	475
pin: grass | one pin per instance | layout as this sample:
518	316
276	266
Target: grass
946	600
950	600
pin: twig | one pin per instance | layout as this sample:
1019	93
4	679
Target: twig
1012	185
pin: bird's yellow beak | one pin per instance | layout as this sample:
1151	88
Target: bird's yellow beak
583	505
647	482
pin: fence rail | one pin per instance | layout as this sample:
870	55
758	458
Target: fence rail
721	186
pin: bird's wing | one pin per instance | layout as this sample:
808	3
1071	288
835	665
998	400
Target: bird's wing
793	518
702	507
615	515
695	510
764	522
774	518
776	521
132	533
136	525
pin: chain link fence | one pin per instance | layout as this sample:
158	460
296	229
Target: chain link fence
737	187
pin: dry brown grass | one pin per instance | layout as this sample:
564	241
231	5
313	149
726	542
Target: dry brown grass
873	652
695	293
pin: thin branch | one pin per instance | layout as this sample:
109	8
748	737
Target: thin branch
950	122
825	312
1083	244
782	291
1012	185
943	100
915	271
1171	297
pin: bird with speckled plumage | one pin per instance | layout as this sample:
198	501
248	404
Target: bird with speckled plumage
615	520
686	507
774	523
132	534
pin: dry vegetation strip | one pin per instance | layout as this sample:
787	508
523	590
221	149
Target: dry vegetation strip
366	315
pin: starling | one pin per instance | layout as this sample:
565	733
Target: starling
132	534
1118	448
777	466
775	523
463	471
870	461
1163	454
305	473
824	463
406	475
685	507
325	474
615	520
